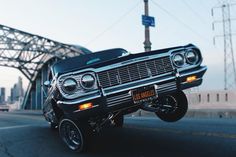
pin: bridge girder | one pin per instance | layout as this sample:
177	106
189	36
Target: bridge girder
26	52
33	55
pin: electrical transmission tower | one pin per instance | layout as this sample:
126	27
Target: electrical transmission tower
229	62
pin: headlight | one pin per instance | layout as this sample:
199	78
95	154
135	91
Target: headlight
87	81
178	60
77	85
69	85
191	57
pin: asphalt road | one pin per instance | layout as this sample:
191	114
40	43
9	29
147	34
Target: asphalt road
28	135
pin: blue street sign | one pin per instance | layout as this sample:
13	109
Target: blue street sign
148	21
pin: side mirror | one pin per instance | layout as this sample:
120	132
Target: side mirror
47	83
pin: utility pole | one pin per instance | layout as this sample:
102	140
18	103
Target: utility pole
229	62
147	43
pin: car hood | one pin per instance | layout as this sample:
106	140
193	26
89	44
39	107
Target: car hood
74	64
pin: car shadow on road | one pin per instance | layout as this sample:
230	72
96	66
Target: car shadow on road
129	142
109	142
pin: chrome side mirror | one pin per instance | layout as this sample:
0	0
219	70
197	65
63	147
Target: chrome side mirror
47	83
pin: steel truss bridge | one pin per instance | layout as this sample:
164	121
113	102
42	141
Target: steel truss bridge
33	55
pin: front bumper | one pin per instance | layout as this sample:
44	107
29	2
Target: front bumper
120	98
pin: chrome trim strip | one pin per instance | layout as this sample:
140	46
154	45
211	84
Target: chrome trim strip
137	86
117	98
77	101
123	99
167	84
166	89
203	68
85	109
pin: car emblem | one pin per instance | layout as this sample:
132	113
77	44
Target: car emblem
118	79
149	72
135	60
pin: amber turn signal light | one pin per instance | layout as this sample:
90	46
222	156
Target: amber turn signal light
85	106
191	79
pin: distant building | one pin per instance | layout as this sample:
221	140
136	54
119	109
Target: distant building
17	91
2	96
20	87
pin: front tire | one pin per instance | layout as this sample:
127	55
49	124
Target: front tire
73	134
173	107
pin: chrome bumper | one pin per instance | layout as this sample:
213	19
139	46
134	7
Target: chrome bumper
170	82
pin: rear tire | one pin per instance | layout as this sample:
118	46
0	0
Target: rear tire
173	107
73	134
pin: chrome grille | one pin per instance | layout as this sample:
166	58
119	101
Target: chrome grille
133	72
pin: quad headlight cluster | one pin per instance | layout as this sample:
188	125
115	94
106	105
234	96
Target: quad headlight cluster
87	81
72	86
184	58
69	85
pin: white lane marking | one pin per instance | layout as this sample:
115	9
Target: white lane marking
14	127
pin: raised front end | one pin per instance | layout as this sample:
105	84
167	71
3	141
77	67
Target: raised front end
98	89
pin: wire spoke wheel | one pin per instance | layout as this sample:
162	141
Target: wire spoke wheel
172	107
71	134
168	104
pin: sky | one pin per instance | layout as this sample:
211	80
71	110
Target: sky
104	24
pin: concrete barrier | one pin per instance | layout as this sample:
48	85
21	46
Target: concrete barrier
195	113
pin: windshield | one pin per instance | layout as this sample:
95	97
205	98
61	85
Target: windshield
89	59
105	55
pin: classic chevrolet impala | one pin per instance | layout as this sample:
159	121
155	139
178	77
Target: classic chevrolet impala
96	90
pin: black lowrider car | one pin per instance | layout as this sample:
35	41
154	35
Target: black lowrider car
89	92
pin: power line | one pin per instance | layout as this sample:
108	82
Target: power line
121	18
194	12
180	21
184	24
203	4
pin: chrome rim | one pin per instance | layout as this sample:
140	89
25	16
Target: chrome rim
168	104
71	134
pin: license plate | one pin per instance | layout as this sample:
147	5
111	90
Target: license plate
144	94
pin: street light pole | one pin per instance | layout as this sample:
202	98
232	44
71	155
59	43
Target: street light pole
147	43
